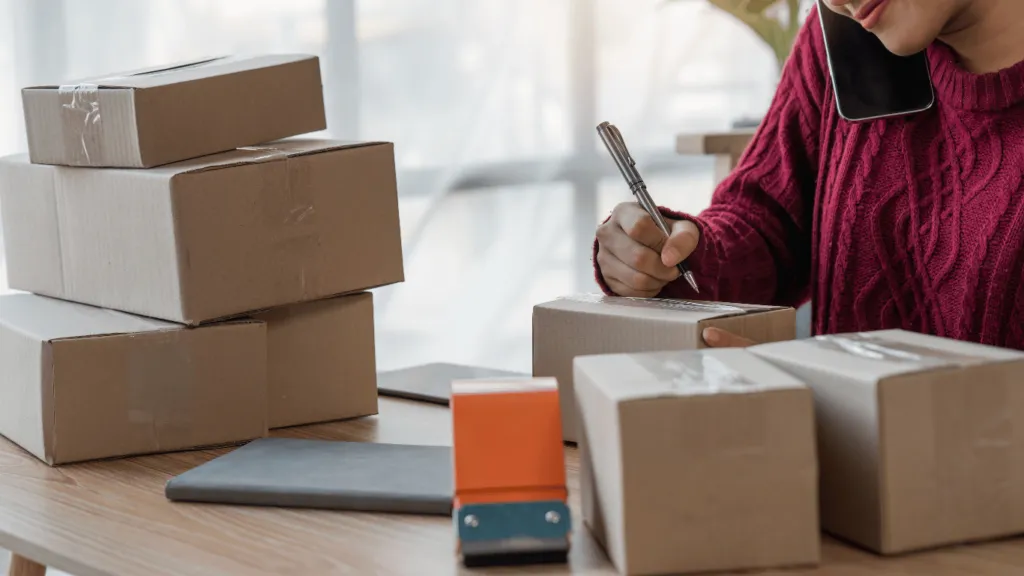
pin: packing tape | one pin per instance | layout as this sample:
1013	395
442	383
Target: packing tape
872	346
160	379
662	303
696	372
265	153
741	429
288	208
80	119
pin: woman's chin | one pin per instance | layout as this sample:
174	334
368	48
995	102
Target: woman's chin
903	44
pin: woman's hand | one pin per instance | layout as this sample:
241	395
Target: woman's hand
718	338
634	256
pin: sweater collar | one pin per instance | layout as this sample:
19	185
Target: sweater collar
965	90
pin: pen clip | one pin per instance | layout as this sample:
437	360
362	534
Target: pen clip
616	139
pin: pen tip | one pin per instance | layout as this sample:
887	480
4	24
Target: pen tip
691	281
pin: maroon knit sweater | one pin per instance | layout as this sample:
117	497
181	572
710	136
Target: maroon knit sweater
913	222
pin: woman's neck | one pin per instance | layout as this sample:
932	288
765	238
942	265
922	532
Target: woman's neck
987	35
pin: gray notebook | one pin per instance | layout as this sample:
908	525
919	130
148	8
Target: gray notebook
321	474
432	382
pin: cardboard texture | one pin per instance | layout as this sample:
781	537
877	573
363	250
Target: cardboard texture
82	383
293	221
594	324
320	361
697	461
921	439
156	116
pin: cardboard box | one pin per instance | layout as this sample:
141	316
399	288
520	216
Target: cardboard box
210	238
320	361
594	324
921	439
161	115
697	461
81	383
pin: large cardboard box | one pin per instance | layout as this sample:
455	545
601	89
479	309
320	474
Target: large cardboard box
80	383
594	324
697	461
209	238
320	361
921	439
161	115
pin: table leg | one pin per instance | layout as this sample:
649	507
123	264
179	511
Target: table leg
21	566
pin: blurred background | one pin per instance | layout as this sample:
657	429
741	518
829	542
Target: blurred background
492	106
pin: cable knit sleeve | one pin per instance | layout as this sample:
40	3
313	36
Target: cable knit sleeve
755	243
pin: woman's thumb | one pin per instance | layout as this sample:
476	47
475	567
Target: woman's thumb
680	243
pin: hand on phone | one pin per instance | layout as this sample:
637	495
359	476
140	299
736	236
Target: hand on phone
635	257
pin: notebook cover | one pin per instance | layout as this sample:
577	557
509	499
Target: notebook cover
297	473
432	382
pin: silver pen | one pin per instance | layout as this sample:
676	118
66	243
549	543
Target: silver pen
617	148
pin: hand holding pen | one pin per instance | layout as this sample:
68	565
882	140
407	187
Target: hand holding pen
639	251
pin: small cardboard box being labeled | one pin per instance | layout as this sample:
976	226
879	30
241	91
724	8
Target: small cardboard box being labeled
160	115
920	439
82	383
320	360
697	461
210	238
595	324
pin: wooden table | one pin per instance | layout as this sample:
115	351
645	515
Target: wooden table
725	147
112	518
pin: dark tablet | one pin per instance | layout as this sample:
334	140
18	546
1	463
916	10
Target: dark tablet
321	474
432	382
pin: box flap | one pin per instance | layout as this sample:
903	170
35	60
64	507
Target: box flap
49	319
179	72
278	150
625	377
873	356
689	311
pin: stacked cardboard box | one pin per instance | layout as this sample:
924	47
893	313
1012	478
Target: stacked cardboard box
196	278
920	438
695	461
588	324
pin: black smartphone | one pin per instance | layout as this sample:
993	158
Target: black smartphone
869	81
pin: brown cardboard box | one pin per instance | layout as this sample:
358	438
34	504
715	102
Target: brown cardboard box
921	439
161	115
209	238
697	461
80	383
320	361
594	324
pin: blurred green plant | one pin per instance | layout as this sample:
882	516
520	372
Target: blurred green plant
776	22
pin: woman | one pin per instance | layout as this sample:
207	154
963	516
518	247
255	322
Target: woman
913	222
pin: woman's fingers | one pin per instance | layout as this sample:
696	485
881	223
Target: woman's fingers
718	338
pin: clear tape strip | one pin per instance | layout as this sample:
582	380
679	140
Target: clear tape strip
266	153
876	347
698	373
660	303
80	111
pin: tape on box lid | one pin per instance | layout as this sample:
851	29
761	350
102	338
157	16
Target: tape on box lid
684	373
270	152
82	116
873	356
884	347
709	309
184	71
